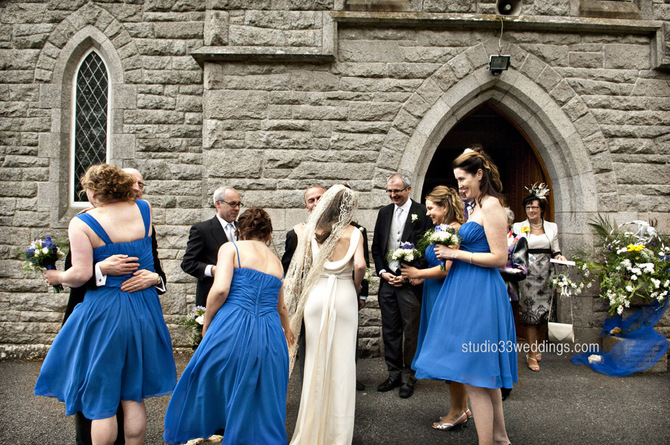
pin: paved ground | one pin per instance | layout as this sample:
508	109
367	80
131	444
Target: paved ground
562	404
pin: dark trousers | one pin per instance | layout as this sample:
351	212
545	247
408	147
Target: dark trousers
82	427
401	313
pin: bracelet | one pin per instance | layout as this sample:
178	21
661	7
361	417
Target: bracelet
471	254
158	281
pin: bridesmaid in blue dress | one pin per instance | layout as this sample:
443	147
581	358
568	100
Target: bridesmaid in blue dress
470	337
443	206
115	346
237	379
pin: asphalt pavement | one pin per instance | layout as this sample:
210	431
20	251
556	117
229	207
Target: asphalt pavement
561	404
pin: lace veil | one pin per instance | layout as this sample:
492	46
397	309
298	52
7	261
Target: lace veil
334	212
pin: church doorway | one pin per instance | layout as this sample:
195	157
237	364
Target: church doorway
518	161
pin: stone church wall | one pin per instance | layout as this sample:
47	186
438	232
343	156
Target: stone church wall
272	99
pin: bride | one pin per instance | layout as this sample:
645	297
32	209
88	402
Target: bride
323	283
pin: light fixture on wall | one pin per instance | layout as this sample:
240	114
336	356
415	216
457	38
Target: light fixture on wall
498	64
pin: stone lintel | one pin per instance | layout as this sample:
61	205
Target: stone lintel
487	21
261	54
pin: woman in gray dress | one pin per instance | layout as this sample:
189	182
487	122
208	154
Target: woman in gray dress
535	291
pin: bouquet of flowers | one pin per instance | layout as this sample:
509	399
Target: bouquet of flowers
634	262
369	277
567	286
43	254
406	253
442	234
193	324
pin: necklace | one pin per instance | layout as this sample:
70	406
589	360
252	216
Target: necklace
536	227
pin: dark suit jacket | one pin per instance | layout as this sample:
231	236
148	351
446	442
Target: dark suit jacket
292	243
77	294
412	232
202	249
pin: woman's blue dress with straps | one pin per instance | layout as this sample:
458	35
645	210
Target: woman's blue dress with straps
115	345
237	380
471	337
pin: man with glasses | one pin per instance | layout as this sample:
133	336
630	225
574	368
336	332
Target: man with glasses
404	220
206	237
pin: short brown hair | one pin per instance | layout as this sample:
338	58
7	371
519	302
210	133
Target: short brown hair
254	223
109	183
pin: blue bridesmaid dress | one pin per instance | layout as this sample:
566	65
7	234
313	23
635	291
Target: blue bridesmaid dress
237	380
470	336
431	288
115	345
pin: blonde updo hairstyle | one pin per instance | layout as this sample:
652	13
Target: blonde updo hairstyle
254	223
109	183
472	160
447	197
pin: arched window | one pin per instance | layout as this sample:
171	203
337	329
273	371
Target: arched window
91	120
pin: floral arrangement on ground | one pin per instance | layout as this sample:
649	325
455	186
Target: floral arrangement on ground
633	262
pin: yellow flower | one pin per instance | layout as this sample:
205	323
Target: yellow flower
635	247
525	229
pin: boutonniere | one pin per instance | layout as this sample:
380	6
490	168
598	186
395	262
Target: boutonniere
414	217
525	229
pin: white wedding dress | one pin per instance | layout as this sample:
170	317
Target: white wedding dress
328	399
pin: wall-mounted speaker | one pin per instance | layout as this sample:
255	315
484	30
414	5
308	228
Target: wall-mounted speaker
508	7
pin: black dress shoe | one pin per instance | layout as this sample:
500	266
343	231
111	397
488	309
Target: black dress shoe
388	384
360	386
406	390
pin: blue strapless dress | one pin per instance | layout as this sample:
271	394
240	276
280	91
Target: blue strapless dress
115	345
237	379
470	337
430	290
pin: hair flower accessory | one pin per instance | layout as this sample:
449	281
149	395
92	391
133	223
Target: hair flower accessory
540	190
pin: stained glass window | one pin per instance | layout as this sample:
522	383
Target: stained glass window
91	118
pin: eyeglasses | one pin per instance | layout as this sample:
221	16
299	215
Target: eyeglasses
391	192
532	208
233	204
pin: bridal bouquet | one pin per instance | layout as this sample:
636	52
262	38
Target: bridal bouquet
406	253
43	254
193	324
442	234
634	262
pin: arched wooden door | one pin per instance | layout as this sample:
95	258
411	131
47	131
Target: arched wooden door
517	160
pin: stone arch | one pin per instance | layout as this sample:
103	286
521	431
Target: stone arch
552	116
90	27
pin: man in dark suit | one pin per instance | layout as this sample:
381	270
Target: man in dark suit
206	237
142	279
312	195
402	221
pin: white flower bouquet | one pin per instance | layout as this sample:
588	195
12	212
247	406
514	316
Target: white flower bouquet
406	253
193	325
443	234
